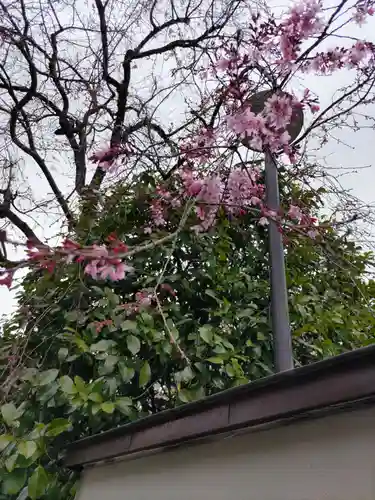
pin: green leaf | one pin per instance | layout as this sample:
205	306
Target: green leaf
109	364
14	481
133	344
211	294
27	448
5	439
29	374
62	354
80	384
215	360
47	393
126	372
108	407
206	333
95	409
37	432
67	385
144	374
245	313
95	397
81	344
10	462
147	319
172	328
10	413
102	346
47	376
72	316
184	375
129	325
38	483
58	426
185	396
124	405
230	370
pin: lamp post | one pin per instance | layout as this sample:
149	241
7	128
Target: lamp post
283	353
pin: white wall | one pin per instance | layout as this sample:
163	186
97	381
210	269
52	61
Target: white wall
331	458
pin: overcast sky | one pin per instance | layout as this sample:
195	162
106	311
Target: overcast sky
352	151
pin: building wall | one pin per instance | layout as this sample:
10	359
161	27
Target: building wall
330	458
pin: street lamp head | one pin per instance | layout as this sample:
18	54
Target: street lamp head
257	103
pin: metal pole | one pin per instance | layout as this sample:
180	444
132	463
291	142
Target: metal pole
279	295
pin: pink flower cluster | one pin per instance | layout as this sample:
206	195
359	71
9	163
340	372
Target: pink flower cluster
310	101
302	22
6	277
363	9
145	299
101	261
107	157
361	54
208	198
103	266
238	192
266	129
99	325
162	197
200	148
306	221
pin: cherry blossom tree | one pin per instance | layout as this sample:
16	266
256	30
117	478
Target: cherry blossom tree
139	121
86	80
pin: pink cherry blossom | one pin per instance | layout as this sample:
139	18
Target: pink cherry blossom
358	53
102	266
263	221
240	190
113	269
99	325
223	64
363	9
312	233
6	278
295	212
200	147
254	200
361	54
106	157
302	22
209	199
92	269
143	298
278	111
275	142
199	210
212	190
195	187
157	213
246	123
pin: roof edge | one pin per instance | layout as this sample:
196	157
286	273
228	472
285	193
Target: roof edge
344	378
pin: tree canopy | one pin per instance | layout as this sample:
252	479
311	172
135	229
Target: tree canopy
83	355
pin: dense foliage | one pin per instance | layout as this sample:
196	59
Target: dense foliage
81	356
